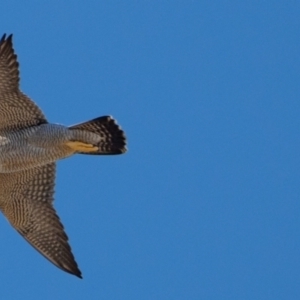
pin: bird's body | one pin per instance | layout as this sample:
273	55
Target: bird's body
33	147
29	148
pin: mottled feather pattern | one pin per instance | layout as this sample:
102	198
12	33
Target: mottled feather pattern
28	207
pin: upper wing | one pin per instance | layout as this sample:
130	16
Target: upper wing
26	200
16	109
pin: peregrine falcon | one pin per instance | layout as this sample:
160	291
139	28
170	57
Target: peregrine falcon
29	148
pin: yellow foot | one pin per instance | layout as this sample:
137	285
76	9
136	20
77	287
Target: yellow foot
82	147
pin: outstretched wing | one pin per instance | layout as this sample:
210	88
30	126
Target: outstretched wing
26	200
16	109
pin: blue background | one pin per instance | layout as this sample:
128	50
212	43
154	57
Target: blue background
205	205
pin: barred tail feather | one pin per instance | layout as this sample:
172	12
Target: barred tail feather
113	138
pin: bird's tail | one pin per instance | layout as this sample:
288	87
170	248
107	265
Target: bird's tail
113	140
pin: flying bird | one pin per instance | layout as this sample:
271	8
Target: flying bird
29	149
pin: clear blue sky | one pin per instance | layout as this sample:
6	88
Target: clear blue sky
206	203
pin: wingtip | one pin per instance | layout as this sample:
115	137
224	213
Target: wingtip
78	274
70	266
71	269
9	38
